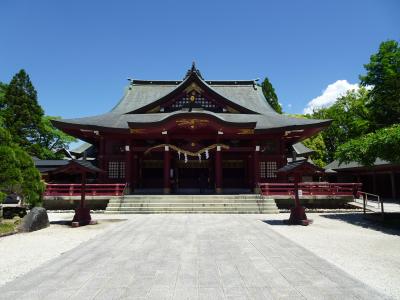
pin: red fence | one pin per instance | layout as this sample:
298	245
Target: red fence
311	189
59	189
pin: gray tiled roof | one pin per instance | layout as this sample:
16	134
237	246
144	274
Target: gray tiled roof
301	149
141	93
335	165
295	164
46	165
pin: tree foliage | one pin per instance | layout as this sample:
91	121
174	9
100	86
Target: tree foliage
24	132
25	120
384	144
269	93
350	119
317	143
50	139
22	113
17	171
383	75
366	123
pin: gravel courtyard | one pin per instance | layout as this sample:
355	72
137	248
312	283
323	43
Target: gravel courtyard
190	257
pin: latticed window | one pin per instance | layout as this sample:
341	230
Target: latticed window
116	169
268	169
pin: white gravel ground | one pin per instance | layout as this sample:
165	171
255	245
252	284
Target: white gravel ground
23	252
370	255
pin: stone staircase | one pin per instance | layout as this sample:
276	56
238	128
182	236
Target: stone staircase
224	204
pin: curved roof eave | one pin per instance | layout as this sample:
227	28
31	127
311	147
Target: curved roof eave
119	122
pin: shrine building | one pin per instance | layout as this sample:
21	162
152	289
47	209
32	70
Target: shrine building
212	136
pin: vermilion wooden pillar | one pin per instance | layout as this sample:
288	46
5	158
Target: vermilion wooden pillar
134	170
256	168
218	170
128	167
102	162
167	167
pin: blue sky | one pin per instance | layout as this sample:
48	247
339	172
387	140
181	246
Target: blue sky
79	53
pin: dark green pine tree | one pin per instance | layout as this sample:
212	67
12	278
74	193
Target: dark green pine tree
270	95
21	112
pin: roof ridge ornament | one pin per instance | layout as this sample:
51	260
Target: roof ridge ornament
193	69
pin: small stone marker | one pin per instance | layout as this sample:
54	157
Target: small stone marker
36	219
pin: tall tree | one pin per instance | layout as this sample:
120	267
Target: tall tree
50	139
21	112
17	171
350	120
382	140
269	93
383	75
3	88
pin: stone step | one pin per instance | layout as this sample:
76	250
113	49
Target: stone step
238	196
190	201
251	203
186	200
192	212
201	208
192	204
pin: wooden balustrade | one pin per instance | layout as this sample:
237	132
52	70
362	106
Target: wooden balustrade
311	189
106	189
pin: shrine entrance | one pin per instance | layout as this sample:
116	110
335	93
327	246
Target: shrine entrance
193	175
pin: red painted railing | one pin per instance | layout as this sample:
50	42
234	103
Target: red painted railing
106	189
311	189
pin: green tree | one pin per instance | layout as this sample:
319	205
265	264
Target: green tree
316	143
17	171
50	139
350	119
24	119
383	75
3	88
269	93
21	112
384	144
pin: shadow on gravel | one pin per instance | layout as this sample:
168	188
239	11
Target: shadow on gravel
101	221
391	224
274	222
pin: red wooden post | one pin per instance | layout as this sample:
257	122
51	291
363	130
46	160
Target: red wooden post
218	170
167	167
83	189
101	157
256	168
134	171
82	214
128	167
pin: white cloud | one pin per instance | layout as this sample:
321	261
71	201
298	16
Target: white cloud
289	105
329	95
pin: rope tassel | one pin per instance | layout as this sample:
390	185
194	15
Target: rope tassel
186	153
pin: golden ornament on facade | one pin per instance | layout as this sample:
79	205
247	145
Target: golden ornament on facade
192	123
246	131
138	131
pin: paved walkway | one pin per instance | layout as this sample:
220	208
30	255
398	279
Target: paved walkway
188	257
